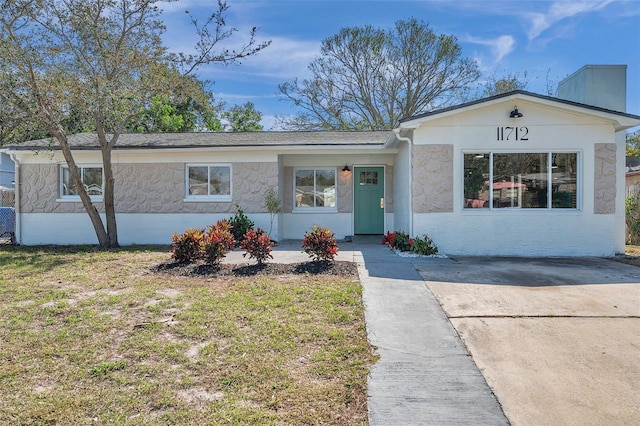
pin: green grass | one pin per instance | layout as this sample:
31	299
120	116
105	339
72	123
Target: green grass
94	337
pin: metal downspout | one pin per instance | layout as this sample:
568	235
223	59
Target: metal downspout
408	140
16	184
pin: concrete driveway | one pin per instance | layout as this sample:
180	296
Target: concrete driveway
558	340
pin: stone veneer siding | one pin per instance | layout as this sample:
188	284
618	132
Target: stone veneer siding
604	179
432	188
149	188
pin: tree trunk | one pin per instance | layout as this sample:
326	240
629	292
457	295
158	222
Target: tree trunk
108	196
92	211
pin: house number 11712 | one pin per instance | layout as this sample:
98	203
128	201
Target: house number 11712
512	133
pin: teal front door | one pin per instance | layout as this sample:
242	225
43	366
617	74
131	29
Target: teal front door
368	200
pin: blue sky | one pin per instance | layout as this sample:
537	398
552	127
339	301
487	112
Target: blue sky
542	38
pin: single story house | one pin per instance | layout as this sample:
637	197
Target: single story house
632	176
514	174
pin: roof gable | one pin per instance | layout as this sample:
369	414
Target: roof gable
620	120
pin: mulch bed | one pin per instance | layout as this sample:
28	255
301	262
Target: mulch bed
270	269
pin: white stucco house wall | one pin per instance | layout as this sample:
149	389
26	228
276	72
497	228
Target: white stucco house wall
515	174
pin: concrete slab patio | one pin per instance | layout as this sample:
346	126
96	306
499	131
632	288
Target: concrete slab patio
558	340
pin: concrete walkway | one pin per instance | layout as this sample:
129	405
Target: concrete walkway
425	375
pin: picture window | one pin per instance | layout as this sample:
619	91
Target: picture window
547	180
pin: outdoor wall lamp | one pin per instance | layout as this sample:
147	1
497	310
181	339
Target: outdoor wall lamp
346	169
515	113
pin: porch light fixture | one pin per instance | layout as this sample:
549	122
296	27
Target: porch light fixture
515	113
346	169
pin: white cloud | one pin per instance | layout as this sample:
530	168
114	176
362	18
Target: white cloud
558	11
500	46
284	59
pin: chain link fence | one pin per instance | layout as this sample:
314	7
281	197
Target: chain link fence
7	225
7	197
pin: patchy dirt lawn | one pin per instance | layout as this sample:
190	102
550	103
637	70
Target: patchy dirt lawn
125	337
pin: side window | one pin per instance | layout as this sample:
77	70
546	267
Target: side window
209	182
315	188
91	177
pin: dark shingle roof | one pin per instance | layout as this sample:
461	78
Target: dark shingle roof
88	141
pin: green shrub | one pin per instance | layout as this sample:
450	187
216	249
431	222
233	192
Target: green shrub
424	246
257	244
217	242
402	241
240	224
187	248
632	219
320	244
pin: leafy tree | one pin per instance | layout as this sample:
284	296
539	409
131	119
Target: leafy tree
633	144
163	114
243	118
508	83
368	78
513	81
105	58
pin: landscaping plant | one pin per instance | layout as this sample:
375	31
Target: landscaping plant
424	246
632	218
389	239
320	244
217	242
273	205
401	241
257	244
187	248
240	224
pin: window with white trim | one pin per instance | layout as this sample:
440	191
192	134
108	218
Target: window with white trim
315	188
209	182
525	180
91	177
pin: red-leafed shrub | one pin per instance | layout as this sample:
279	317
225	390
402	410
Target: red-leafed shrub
320	244
187	248
401	241
257	244
217	242
389	238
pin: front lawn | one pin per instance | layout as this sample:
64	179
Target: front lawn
93	337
